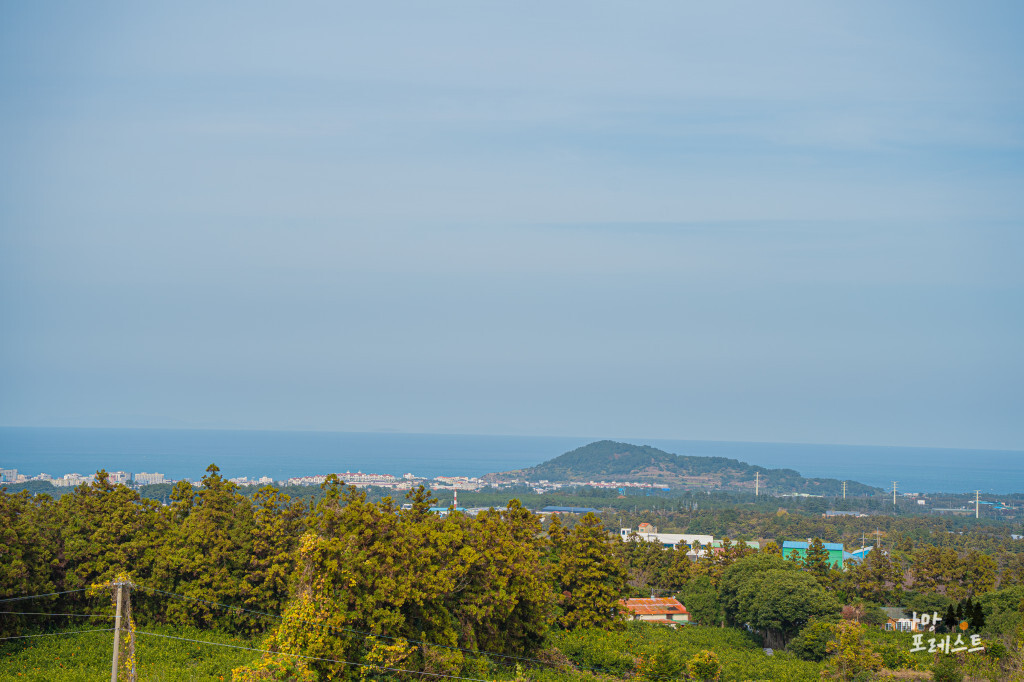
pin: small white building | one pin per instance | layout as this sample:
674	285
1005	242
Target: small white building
648	533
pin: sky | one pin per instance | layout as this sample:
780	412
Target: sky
747	221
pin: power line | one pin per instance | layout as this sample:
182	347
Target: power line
316	658
70	615
57	634
365	633
49	594
204	601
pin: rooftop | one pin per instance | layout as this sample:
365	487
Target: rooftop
831	546
657	606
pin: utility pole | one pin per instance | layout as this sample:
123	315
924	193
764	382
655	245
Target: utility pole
117	632
123	613
977	503
894	493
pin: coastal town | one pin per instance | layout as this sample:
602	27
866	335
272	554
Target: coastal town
358	479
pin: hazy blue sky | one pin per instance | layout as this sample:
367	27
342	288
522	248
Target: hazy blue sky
796	221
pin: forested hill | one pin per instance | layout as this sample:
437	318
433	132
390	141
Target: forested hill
608	460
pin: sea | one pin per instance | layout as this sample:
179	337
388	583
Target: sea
183	453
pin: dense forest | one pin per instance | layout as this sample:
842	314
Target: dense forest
342	586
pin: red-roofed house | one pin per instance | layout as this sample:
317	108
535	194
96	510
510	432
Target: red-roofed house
664	610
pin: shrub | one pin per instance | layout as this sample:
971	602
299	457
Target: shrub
895	657
946	669
705	666
812	642
661	664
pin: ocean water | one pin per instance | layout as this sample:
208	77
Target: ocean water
281	454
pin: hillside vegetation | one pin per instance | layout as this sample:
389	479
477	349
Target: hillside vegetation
609	460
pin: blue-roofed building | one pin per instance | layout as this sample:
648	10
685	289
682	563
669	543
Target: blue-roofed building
837	554
860	554
444	511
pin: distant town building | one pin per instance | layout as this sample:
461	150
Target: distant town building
648	533
458	482
569	510
307	480
119	477
360	480
71	480
148	479
8	475
664	611
837	554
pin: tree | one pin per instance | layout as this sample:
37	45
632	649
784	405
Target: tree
373	578
678	572
852	655
277	527
979	617
775	599
206	553
950	621
816	561
701	600
739	574
812	642
28	544
979	574
715	563
590	578
105	529
879	578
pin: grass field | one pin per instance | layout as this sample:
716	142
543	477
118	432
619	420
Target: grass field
86	657
641	652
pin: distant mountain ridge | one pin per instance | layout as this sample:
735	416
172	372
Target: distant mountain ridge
609	460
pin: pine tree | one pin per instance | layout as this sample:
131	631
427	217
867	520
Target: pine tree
278	524
816	561
979	617
206	554
591	578
950	620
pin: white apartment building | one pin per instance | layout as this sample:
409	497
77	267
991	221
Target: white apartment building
148	479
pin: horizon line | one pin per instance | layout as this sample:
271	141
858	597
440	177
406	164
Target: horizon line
592	439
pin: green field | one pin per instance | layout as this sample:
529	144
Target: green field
640	652
86	657
598	654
